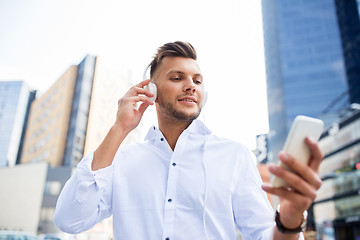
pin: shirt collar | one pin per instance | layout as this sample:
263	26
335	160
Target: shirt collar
196	127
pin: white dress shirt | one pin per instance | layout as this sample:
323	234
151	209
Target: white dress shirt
201	190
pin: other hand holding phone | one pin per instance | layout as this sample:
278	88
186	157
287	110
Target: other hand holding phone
295	145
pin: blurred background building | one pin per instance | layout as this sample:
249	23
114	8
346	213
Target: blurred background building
15	100
22	189
305	67
337	206
312	56
348	19
64	123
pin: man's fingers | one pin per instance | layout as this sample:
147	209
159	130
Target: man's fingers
296	182
304	171
137	90
143	107
142	98
316	154
299	200
142	83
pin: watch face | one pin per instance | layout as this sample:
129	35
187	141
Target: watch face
303	224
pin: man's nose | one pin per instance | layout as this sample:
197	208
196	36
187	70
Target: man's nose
190	86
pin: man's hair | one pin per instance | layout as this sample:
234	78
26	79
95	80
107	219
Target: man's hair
173	49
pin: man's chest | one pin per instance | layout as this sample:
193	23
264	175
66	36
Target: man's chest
183	179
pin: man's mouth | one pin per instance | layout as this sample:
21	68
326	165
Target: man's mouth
188	99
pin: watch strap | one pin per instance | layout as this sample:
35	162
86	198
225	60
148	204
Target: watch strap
285	230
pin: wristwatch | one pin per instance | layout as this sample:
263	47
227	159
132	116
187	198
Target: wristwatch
283	229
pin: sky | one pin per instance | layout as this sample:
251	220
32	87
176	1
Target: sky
40	39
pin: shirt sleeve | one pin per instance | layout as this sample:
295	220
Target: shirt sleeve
253	213
86	198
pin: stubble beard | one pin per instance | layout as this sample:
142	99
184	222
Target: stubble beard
171	112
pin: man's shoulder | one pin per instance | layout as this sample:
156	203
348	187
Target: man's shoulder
224	140
226	143
136	146
230	150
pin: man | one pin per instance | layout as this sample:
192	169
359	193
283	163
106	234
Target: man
183	182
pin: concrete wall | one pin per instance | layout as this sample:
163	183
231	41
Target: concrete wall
22	189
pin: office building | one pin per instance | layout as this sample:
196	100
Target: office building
337	206
73	116
48	124
312	54
67	122
305	67
15	100
349	24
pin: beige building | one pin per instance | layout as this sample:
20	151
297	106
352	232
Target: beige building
66	122
74	115
48	122
107	90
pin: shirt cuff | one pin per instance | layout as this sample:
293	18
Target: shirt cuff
90	180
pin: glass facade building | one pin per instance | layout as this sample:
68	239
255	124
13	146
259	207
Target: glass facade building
15	100
304	65
337	206
75	140
349	24
312	54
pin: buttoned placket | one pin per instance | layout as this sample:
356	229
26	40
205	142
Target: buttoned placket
170	196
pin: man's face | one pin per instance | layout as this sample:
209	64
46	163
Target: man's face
180	88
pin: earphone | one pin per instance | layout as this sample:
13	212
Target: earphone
205	98
151	87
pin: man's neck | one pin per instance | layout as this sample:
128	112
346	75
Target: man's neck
172	130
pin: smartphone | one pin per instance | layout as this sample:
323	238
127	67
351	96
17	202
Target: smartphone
295	145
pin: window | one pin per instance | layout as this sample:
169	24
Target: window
52	188
47	214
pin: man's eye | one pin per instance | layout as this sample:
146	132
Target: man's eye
176	78
197	81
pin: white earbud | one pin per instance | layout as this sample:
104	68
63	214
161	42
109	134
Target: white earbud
151	87
205	98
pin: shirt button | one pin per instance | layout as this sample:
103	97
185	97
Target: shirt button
174	164
161	139
167	238
169	200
